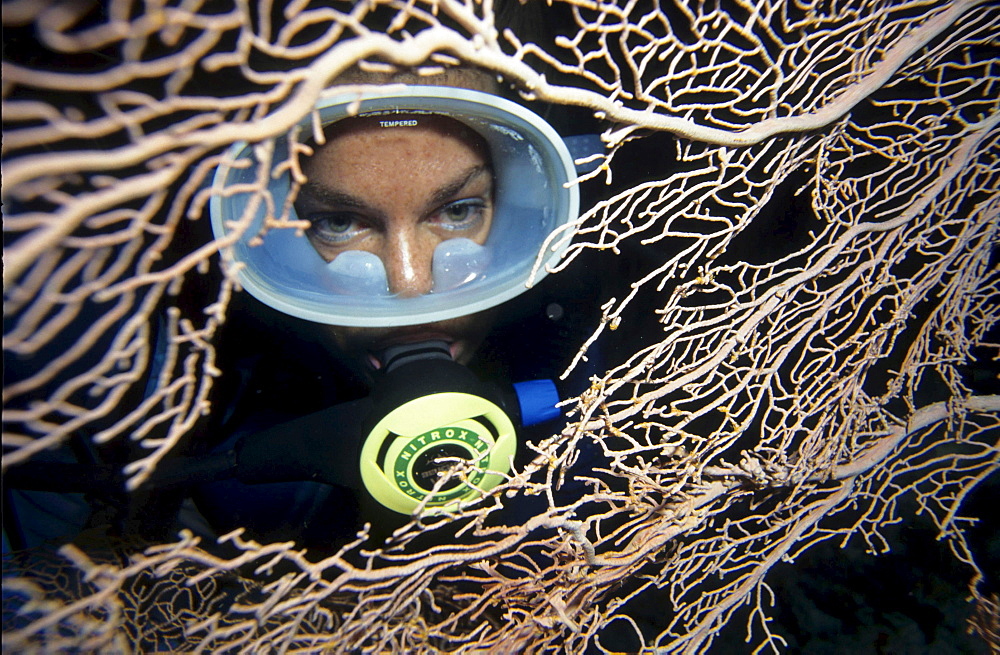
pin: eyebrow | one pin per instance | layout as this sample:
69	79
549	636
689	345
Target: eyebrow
318	192
448	191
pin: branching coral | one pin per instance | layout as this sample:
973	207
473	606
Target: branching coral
804	377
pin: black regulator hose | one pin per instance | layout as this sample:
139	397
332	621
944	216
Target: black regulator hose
318	447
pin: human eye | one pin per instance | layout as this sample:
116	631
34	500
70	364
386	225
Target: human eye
335	227
464	214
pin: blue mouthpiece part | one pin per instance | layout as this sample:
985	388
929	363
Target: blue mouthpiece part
538	400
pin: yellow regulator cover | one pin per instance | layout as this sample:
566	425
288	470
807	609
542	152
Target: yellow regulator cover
407	451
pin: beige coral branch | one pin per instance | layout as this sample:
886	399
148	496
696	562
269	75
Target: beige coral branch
800	332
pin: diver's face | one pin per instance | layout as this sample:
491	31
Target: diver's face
398	192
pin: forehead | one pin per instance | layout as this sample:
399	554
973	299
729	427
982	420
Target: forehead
401	124
395	135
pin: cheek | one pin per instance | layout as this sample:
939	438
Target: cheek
484	232
487	223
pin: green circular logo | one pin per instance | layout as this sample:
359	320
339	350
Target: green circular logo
419	465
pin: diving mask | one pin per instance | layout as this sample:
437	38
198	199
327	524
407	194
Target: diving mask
534	195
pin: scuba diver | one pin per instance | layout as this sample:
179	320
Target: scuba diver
401	352
420	316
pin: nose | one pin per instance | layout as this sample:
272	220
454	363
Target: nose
408	258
